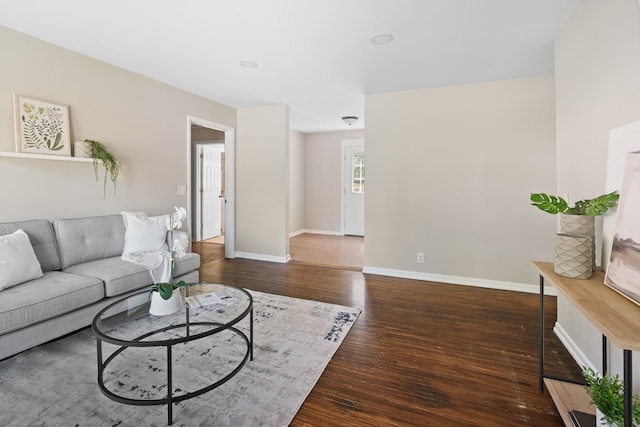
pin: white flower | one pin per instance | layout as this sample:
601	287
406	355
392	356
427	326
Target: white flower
174	221
179	240
176	218
180	243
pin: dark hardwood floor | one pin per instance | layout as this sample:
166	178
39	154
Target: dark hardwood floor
421	353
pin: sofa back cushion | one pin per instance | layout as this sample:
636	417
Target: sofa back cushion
87	239
42	240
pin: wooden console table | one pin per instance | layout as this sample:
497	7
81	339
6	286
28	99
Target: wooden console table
617	318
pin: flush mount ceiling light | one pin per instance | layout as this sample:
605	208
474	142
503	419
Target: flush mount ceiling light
350	120
381	39
249	64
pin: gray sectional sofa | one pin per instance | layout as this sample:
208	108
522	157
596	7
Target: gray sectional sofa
83	273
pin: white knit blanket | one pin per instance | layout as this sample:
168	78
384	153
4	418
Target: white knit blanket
158	263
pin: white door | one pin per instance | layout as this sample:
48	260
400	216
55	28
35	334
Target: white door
354	190
211	190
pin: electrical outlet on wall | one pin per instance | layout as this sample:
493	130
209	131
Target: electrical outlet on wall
420	257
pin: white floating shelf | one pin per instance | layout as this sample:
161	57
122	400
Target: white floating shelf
46	157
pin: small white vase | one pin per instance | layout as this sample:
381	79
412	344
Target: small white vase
82	149
163	307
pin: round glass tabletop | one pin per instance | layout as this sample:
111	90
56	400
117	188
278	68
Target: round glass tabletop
209	308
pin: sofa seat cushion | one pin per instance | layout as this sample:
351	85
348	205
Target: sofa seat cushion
187	263
53	294
121	276
118	276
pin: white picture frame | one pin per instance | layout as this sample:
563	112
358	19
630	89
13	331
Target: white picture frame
623	272
41	127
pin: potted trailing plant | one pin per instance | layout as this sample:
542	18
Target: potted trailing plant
575	246
165	296
101	154
607	393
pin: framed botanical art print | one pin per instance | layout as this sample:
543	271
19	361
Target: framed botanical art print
42	127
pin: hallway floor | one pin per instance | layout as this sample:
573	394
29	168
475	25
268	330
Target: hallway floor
345	252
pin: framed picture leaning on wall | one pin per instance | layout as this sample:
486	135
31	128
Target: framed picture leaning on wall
41	127
623	271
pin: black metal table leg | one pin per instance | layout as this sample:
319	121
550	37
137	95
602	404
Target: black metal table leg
604	355
251	331
628	378
169	388
541	333
99	355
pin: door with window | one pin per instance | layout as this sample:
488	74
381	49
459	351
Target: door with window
354	174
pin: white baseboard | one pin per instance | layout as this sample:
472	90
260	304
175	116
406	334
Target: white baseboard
458	280
263	257
306	230
577	354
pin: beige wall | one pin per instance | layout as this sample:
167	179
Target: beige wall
449	173
296	181
142	121
322	179
598	88
262	186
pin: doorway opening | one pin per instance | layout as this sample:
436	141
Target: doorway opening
343	249
211	183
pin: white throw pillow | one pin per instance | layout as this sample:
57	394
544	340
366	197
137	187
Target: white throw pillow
18	262
144	233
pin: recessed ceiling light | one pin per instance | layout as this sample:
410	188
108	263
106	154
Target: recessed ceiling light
249	64
381	39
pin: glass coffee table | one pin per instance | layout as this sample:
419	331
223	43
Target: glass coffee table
126	327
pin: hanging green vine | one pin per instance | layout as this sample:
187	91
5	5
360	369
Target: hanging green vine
101	154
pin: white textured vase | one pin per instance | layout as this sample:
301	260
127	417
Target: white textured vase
572	256
162	307
581	225
82	149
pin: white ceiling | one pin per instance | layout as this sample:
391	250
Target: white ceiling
313	55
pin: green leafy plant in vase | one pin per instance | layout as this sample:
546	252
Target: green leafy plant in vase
607	394
166	289
101	154
591	207
577	231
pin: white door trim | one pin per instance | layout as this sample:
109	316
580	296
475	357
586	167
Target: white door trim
345	143
229	176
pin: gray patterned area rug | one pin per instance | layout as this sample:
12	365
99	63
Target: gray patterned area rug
55	384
